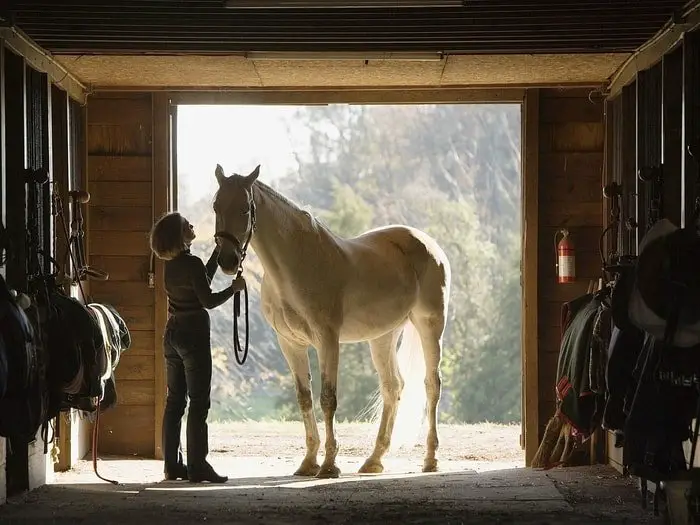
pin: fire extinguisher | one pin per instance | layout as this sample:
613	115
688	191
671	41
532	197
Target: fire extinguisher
566	258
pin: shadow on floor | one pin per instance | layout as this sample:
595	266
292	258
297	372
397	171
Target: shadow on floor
575	495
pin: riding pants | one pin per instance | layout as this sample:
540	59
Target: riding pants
187	349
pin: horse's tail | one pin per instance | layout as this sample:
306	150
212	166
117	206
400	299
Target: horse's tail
410	415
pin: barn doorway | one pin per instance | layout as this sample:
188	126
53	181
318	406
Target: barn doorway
453	170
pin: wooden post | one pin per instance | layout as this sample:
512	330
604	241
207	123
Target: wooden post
161	204
529	277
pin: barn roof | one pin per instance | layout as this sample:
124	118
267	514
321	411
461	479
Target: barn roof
190	44
206	26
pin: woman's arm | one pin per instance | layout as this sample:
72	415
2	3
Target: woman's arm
212	265
202	287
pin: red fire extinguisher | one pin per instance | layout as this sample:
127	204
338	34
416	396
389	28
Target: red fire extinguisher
566	258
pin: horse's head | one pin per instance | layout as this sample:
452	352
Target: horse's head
235	217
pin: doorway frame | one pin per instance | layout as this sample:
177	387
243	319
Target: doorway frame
165	197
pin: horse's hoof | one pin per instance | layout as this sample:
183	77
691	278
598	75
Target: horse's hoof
328	471
308	469
371	467
430	465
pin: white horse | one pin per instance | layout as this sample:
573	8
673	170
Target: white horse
322	290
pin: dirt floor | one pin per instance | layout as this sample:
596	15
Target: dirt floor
482	480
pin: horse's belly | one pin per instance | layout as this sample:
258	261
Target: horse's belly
356	330
373	309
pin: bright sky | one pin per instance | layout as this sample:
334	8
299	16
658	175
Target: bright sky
237	137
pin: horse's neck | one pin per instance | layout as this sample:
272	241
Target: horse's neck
283	232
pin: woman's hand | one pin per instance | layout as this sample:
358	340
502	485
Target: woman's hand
238	284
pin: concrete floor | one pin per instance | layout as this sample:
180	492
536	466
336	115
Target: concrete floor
466	493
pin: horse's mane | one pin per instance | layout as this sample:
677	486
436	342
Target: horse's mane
269	191
313	222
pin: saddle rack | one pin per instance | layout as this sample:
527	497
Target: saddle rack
677	491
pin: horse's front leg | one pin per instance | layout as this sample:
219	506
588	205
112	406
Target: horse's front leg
328	357
297	358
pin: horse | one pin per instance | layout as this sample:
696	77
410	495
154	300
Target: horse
322	290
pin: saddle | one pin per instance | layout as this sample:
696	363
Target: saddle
83	358
666	290
654	354
116	339
24	401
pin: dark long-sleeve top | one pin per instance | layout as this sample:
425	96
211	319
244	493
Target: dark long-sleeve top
188	284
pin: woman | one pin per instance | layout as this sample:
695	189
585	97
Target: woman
187	346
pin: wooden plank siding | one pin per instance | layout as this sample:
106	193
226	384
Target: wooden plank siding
127	177
120	214
571	161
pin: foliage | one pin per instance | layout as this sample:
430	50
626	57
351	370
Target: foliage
451	170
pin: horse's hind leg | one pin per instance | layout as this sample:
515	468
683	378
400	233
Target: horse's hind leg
298	360
328	357
384	358
430	327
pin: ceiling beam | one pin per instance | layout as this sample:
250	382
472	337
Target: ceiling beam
653	50
339	4
15	40
324	96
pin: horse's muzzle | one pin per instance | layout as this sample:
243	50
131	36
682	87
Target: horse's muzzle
229	262
230	255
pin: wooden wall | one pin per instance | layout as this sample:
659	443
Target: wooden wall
120	214
655	125
571	136
34	131
127	178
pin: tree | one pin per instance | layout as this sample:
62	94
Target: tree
451	170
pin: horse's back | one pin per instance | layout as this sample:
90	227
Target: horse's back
412	242
391	272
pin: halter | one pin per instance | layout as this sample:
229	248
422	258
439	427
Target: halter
242	250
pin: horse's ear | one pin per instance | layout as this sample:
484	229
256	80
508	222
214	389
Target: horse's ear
252	177
219	173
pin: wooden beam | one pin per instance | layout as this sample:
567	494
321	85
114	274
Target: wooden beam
15	161
161	204
653	50
3	200
42	61
529	273
690	126
61	179
350	96
672	147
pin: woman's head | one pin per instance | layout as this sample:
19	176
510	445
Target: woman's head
171	235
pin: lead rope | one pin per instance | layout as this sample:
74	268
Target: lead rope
95	431
237	349
236	312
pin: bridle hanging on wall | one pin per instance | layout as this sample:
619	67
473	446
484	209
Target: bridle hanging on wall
652	177
612	191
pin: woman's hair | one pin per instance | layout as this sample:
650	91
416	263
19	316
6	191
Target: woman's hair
166	236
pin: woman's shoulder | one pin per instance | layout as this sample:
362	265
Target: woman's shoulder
191	259
185	259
